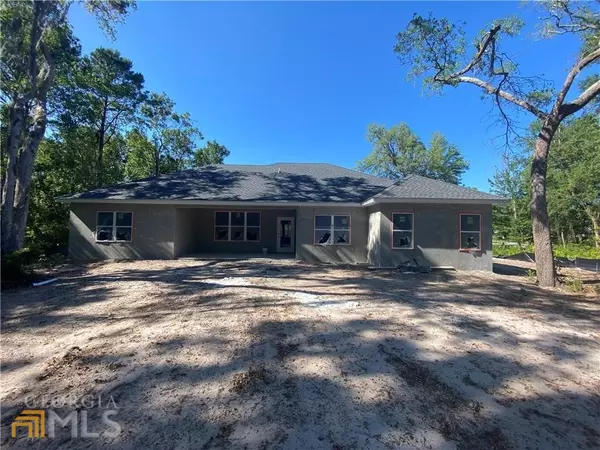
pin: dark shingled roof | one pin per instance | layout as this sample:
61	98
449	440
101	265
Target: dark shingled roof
418	187
280	182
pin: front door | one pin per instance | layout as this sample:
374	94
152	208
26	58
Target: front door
285	234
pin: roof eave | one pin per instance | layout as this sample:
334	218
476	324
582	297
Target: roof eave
458	201
177	202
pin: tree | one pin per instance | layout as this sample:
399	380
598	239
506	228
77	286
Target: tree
104	95
435	49
212	153
398	152
574	176
164	142
35	35
510	181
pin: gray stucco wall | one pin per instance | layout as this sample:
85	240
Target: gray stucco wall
152	236
356	252
161	232
195	230
373	247
436	236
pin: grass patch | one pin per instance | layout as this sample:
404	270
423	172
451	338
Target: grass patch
570	251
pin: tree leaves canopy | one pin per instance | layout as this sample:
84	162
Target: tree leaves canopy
398	152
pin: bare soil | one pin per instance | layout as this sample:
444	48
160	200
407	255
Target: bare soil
279	354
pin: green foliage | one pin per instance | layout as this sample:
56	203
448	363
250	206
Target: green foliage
420	43
398	152
212	153
512	222
569	251
573	184
17	268
164	142
573	284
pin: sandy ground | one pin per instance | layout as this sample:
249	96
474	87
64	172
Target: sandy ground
276	354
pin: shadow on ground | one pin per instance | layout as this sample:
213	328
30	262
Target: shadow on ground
239	354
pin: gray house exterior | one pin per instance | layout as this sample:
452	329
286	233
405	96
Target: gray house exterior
318	213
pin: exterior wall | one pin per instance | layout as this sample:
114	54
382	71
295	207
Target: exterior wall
373	247
195	231
152	234
164	232
436	236
356	252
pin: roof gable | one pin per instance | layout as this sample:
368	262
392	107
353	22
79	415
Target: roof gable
418	187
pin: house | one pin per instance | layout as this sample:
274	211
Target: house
315	212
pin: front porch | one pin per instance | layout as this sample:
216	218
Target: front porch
235	232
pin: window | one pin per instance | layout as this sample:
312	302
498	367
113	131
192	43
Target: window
112	226
332	230
470	231
237	226
402	230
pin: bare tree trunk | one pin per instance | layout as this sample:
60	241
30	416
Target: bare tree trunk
26	162
595	226
101	135
544	258
17	115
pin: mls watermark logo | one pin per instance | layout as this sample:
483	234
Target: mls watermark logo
41	423
34	420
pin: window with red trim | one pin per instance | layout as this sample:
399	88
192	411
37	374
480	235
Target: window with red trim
470	231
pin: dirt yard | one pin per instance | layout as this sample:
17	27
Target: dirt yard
268	354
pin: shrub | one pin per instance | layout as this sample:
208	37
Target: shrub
16	268
573	284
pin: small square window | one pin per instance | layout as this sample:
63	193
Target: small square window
341	222
105	219
253	234
253	219
341	237
104	234
322	237
237	233
123	219
402	239
469	240
222	233
322	221
237	219
123	234
222	218
470	222
402	221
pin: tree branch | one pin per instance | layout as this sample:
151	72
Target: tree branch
490	37
585	97
505	95
578	67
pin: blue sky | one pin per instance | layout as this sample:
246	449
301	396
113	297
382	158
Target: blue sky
300	81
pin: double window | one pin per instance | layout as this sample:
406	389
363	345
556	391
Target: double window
403	230
470	231
237	226
332	230
114	226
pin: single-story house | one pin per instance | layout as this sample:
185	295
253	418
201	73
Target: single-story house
315	212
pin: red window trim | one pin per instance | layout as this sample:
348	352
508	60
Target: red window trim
470	213
412	244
